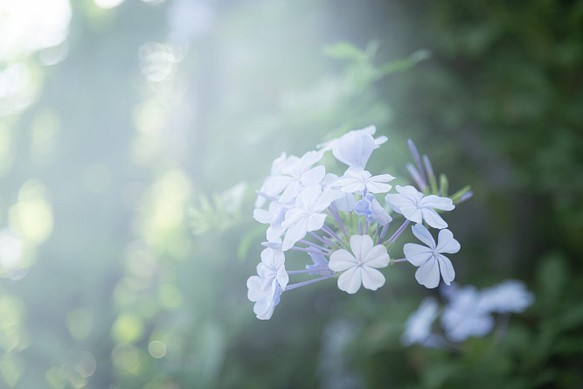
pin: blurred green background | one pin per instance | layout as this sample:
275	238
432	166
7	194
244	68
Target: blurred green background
134	133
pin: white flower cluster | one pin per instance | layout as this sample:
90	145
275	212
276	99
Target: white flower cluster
343	222
468	313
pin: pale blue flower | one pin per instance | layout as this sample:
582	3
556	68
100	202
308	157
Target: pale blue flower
416	207
266	287
430	259
291	175
466	315
362	181
355	147
307	214
509	296
370	208
360	266
418	325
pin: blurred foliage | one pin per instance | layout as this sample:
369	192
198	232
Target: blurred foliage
126	240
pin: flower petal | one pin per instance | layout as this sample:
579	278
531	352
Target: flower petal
294	233
423	234
372	279
360	245
437	202
446	269
428	274
411	212
417	254
255	288
350	280
341	260
432	218
315	221
447	243
313	176
376	257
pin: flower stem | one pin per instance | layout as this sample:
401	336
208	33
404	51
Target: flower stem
398	232
336	216
309	250
304	283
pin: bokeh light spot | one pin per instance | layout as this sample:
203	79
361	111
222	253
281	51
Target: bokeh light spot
128	328
157	349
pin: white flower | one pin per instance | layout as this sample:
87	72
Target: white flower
290	176
416	207
418	325
360	266
266	288
307	215
509	296
430	258
358	180
355	147
466	315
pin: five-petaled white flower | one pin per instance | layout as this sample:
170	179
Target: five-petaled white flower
360	266
357	180
307	214
291	175
416	207
430	258
355	147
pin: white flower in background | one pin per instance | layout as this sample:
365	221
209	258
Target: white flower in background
361	181
307	215
292	175
360	266
509	296
416	207
355	147
265	288
466	315
418	325
430	259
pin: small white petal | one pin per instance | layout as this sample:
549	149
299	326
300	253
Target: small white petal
315	221
432	218
447	243
377	187
428	274
422	233
412	213
293	234
360	245
376	257
446	269
350	280
416	254
313	176
255	291
341	260
372	279
436	202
